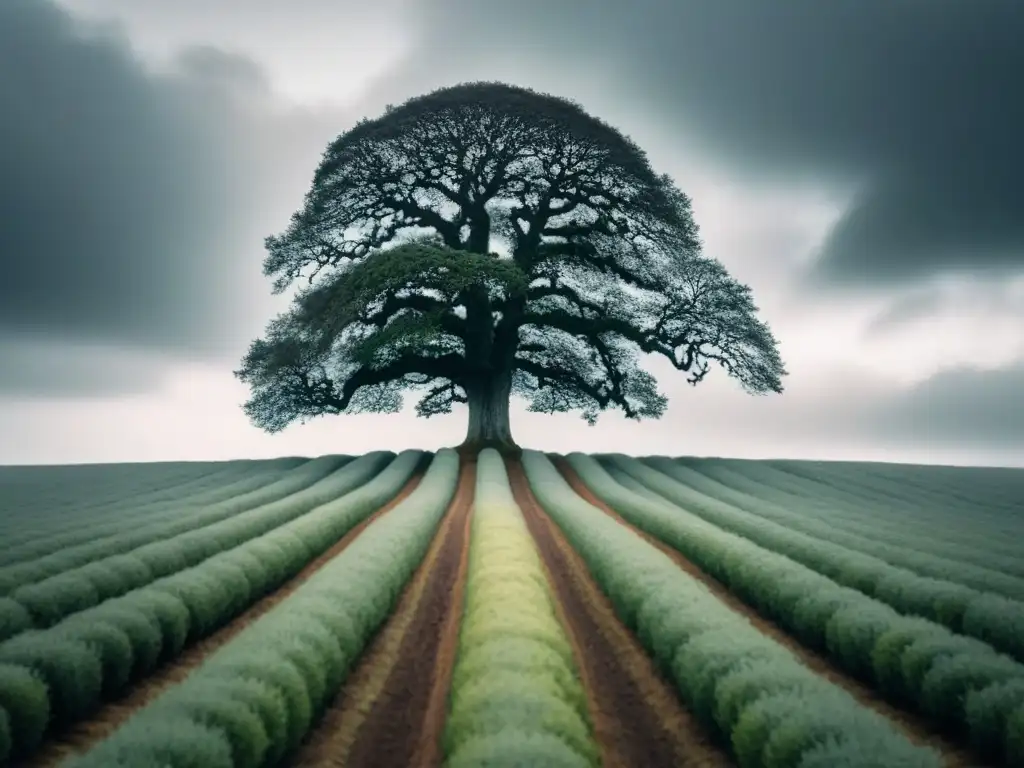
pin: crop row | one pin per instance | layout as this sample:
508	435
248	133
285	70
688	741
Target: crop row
934	527
744	686
50	507
999	488
51	600
49	490
925	498
286	492
515	697
53	677
75	526
988	617
962	684
253	700
907	549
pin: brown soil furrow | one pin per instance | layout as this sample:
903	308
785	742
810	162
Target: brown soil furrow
83	735
915	728
391	710
637	718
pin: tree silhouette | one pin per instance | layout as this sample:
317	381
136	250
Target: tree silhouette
398	239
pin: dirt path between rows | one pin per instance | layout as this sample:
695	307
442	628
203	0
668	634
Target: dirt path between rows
85	734
915	728
638	720
392	709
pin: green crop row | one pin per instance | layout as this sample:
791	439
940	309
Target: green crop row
253	700
956	681
57	597
940	537
286	492
53	677
990	618
85	525
50	493
926	499
751	691
516	698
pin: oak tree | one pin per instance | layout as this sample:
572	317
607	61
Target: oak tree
485	240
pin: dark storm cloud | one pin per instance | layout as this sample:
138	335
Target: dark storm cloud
133	204
914	105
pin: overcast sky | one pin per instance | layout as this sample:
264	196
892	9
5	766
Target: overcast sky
857	162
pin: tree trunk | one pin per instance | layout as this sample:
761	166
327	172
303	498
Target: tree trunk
488	402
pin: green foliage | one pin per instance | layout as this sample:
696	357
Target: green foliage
24	698
95	652
71	668
112	646
514	670
127	513
989	710
513	748
997	621
6	737
223	588
777	725
160	558
173	743
912	661
258	695
397	239
14	618
239	723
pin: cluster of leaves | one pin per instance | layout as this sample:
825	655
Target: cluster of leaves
395	237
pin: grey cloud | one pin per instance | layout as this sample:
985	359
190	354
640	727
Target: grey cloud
975	304
43	368
133	204
966	407
913	104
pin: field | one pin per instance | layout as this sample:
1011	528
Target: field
425	610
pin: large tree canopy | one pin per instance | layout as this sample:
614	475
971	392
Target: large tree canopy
401	241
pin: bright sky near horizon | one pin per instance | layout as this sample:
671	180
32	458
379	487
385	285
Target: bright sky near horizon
866	187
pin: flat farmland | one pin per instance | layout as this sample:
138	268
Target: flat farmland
431	609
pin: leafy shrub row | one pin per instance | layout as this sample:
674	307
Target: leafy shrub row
284	492
925	542
48	494
982	498
254	699
77	526
911	660
57	676
57	597
745	687
516	697
991	618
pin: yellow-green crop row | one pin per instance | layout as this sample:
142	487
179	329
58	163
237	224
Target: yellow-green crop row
254	700
57	676
516	698
750	690
961	683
